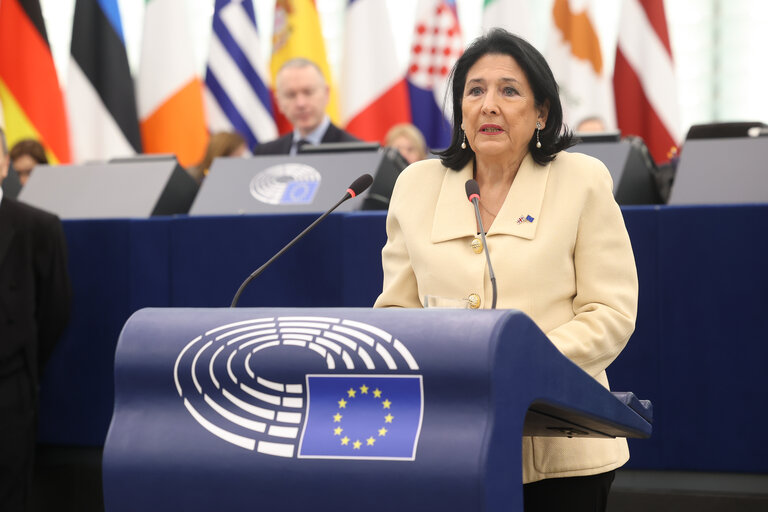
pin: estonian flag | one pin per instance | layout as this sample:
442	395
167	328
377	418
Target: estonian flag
100	94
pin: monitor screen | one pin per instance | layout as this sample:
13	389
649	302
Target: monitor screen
612	136
339	147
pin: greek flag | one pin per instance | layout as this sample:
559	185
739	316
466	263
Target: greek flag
237	79
362	417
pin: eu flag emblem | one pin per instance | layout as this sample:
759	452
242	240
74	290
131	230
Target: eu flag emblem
299	192
362	417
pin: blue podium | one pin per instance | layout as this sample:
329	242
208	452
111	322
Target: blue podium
340	409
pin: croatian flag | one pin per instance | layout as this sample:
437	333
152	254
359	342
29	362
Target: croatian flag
374	93
237	78
436	46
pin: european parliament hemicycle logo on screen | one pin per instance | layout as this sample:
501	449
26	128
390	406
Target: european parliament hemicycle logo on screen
290	183
354	391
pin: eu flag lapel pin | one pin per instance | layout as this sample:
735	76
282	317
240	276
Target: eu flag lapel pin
524	218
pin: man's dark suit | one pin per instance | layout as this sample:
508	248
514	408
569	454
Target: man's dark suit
34	308
282	145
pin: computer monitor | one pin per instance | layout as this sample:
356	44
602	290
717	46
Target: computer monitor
722	130
610	136
130	188
722	171
631	168
338	147
390	166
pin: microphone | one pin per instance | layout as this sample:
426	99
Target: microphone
356	188
473	194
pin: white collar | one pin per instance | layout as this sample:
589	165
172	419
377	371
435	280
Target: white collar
316	135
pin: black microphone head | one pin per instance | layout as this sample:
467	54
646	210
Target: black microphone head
360	185
472	188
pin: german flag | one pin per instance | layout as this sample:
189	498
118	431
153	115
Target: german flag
32	101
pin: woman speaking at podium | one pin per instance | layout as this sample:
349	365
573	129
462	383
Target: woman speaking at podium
555	236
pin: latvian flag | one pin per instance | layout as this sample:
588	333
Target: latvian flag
644	78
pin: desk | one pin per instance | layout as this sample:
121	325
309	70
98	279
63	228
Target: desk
698	352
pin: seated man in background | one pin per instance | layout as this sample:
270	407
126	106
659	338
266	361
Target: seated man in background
302	95
34	309
408	140
25	155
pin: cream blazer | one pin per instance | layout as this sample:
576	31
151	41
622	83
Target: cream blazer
561	254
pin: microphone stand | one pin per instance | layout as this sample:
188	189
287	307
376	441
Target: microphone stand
357	187
473	194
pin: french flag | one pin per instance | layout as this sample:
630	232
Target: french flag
437	44
374	92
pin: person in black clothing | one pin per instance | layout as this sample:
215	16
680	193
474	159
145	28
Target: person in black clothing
34	309
302	95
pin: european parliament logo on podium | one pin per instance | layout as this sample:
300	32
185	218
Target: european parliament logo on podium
367	404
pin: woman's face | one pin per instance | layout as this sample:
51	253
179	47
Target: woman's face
407	148
498	109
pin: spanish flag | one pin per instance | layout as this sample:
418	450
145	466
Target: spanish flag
32	101
170	91
297	33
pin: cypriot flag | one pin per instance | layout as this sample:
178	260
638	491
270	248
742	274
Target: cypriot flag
576	59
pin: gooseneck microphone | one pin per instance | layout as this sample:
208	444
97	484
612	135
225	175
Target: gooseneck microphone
473	194
356	188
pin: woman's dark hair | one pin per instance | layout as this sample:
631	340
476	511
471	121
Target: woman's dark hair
31	147
554	137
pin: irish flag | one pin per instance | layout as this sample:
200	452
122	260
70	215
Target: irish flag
169	91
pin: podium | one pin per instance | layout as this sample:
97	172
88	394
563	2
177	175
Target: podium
339	409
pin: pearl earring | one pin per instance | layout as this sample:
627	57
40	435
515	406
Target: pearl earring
464	142
538	129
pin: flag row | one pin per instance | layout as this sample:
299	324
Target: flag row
171	109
